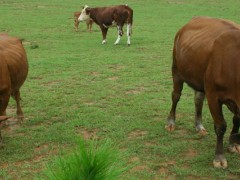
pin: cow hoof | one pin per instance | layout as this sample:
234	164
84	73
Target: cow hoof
170	127
203	132
234	148
115	43
20	119
220	162
104	42
128	44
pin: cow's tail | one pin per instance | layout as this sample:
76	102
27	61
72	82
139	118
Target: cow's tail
130	17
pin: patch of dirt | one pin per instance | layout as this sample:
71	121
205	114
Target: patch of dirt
115	67
136	91
136	134
150	144
11	128
41	147
10	125
94	73
114	78
191	153
140	168
51	83
87	134
168	163
163	170
89	103
134	159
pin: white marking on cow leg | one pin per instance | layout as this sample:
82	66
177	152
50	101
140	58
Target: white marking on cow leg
104	41
118	39
119	35
105	26
128	34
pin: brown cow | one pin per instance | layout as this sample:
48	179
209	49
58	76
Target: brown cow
106	17
206	56
13	72
89	22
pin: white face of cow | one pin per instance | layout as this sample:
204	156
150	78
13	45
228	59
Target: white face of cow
84	15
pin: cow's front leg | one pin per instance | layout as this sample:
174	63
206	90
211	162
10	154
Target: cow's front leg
120	33
104	34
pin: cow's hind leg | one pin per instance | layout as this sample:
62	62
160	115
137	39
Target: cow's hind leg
120	33
176	94
129	31
4	99
16	96
2	118
198	100
220	127
234	139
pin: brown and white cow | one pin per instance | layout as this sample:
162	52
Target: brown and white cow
89	22
106	17
206	56
13	73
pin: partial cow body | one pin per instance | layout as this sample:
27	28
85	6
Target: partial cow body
13	72
89	22
106	17
206	56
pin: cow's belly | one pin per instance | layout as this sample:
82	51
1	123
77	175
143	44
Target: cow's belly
191	67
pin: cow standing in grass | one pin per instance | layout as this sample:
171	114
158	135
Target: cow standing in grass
89	22
106	17
13	73
206	56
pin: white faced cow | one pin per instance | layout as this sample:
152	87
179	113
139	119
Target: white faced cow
106	17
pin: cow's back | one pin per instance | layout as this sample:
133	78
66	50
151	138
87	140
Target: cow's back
193	46
108	14
13	61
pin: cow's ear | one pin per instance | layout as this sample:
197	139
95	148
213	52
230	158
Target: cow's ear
87	10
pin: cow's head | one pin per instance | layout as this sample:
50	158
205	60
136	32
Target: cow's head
85	14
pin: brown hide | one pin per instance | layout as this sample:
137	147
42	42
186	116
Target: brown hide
13	72
193	46
89	22
106	17
206	56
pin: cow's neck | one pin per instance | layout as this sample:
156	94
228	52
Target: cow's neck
93	15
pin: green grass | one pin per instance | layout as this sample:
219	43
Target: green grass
90	161
77	87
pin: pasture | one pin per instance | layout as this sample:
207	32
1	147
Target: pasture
78	87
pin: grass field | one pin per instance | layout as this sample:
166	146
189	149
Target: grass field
78	87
